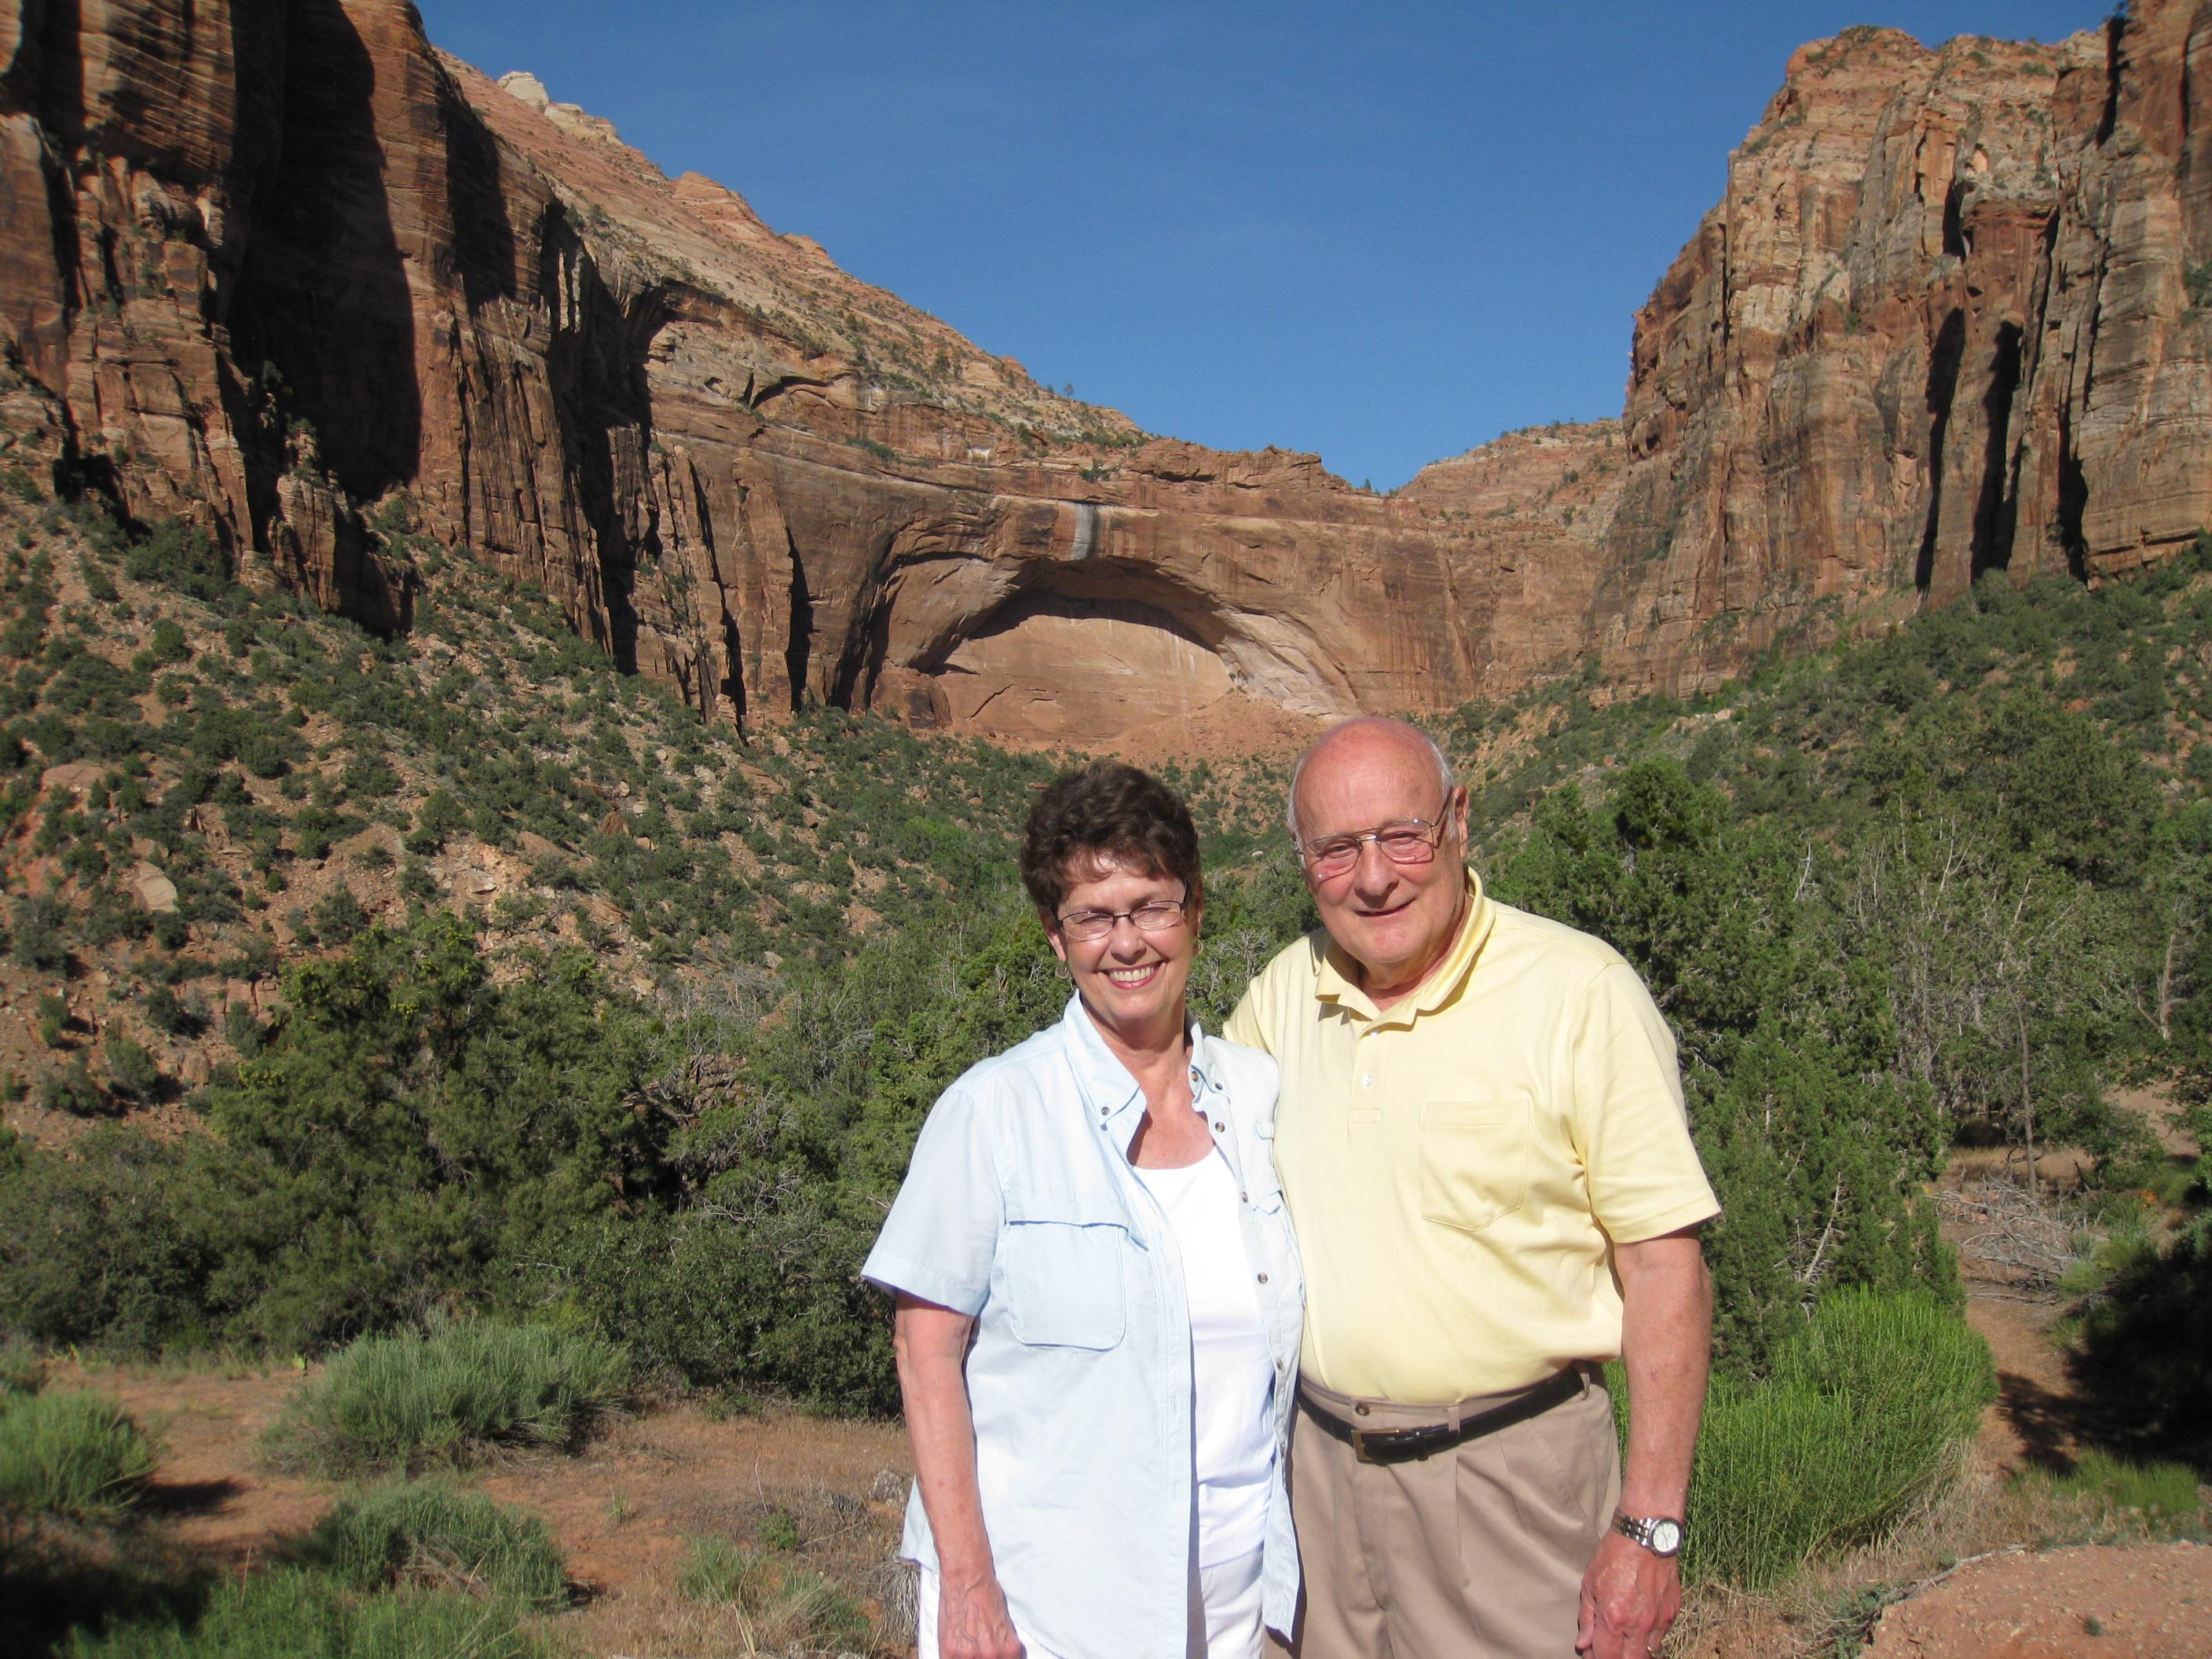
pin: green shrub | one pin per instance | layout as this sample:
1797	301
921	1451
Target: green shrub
120	1243
433	1534
167	1012
36	940
130	1069
180	557
716	1570
404	1401
1858	1423
779	1531
293	1614
74	1454
21	1370
786	1606
2158	1498
69	1090
2146	1344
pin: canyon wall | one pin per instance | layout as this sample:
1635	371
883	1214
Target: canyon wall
1941	324
280	267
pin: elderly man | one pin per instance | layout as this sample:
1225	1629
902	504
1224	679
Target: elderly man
1485	1157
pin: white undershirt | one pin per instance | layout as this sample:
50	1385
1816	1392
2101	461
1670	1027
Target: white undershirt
1232	1373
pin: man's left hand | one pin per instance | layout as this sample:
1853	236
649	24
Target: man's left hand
1629	1598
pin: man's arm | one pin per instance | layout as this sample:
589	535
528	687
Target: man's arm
931	1343
1630	1595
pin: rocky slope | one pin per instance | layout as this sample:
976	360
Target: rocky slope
286	270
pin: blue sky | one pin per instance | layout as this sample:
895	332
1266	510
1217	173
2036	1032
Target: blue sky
1385	233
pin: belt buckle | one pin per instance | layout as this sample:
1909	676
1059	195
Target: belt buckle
1359	1446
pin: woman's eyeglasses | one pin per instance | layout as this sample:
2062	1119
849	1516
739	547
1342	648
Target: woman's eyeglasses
1153	916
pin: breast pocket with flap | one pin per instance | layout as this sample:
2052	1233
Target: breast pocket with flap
1064	1286
1474	1160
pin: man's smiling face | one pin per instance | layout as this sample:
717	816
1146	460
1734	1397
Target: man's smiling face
1396	920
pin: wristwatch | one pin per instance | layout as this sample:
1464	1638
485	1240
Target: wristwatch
1660	1534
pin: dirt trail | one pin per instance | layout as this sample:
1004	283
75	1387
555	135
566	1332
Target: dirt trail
2089	1601
2094	1601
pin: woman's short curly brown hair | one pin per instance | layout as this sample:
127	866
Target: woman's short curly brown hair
1108	813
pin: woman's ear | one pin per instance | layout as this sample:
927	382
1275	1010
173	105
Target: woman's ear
1051	935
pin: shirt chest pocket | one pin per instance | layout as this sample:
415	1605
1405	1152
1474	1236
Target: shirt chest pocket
1474	1160
1064	1277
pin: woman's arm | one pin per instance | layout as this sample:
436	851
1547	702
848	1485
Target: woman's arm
931	1346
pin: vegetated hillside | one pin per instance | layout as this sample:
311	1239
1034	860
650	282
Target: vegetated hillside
1955	882
206	783
462	944
503	982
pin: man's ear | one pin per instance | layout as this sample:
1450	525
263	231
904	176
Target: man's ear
1456	811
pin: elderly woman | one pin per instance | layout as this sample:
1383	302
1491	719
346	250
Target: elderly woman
1098	1299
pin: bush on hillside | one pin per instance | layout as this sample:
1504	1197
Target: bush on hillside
433	1535
293	1614
75	1456
1860	1420
1815	1149
2145	1347
406	1400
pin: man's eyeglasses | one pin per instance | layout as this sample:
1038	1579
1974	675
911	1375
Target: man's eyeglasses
1403	840
1153	916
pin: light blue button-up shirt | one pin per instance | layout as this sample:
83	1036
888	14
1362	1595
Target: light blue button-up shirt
1020	1208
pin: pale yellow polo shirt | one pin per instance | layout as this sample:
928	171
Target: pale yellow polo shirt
1458	1166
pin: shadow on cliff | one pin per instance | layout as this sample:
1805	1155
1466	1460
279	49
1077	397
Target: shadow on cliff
1950	345
322	316
595	362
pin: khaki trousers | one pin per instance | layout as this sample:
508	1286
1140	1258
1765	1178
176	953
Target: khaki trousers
1477	1553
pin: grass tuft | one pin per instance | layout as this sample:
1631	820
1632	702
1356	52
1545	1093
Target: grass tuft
432	1535
291	1614
780	1605
2120	1497
21	1370
75	1455
407	1401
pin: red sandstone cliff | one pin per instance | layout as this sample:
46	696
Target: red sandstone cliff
272	264
1939	324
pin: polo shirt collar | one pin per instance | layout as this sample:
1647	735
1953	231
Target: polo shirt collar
1106	1087
1338	978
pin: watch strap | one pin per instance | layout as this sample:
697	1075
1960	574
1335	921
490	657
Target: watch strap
1660	1534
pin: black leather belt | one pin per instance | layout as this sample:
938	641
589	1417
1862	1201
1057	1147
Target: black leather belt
1407	1445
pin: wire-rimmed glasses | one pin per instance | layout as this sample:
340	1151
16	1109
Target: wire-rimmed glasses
1403	840
1153	916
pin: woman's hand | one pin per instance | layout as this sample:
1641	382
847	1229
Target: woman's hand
972	1622
931	1343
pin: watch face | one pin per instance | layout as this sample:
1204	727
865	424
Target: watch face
1666	1537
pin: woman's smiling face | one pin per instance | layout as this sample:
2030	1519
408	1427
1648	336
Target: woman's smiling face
1132	980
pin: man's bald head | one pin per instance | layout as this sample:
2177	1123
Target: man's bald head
1383	791
1362	736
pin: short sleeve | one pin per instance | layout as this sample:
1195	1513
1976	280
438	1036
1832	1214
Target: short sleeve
941	1235
1633	1132
1243	1025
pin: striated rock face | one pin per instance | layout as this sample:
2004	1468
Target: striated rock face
280	266
1939	326
276	266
